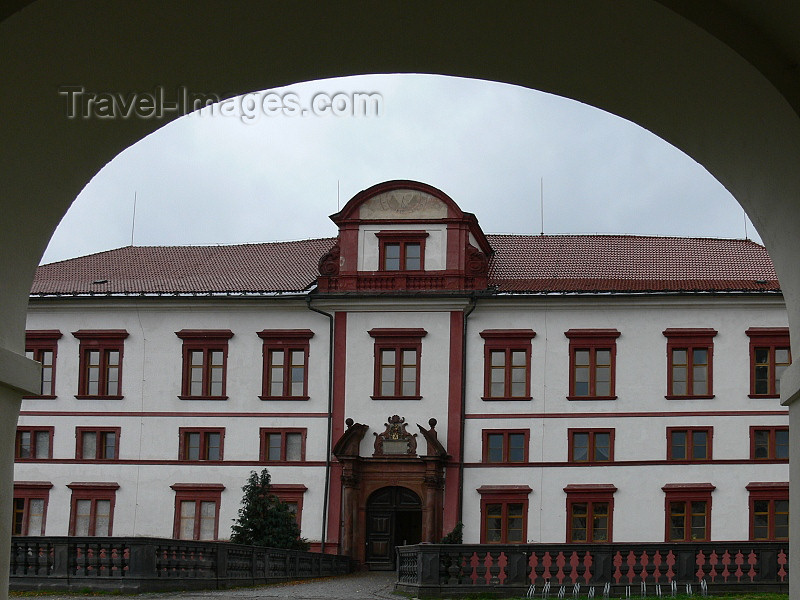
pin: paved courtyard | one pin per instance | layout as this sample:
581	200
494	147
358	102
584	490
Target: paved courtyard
366	584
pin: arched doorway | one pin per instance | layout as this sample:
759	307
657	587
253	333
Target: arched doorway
394	518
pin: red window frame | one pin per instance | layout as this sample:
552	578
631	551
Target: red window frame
689	495
592	341
593	496
505	447
37	343
772	446
100	434
772	493
505	497
591	445
264	434
690	443
292	494
93	492
399	340
205	341
24	492
771	339
286	341
32	430
197	493
507	341
402	239
204	446
691	340
105	342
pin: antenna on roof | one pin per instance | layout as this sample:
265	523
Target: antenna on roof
541	203
744	218
133	219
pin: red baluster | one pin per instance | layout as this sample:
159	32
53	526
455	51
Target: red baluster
713	560
574	561
631	565
752	560
474	561
644	561
533	562
502	562
587	563
726	561
617	564
657	564
739	562
560	562
700	560
670	564
782	560
488	562
547	561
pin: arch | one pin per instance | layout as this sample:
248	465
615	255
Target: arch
393	518
719	81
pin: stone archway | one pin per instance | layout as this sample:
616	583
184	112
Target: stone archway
719	81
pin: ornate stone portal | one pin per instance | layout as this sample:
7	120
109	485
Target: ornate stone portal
396	465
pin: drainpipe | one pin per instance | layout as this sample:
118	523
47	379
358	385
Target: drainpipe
473	303
330	423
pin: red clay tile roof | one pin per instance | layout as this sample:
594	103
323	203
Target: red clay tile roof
521	264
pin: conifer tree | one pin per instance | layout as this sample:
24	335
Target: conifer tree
264	520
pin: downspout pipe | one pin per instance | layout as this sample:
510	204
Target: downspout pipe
326	495
473	303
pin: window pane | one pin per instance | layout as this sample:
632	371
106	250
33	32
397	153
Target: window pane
494	523
274	446
89	445
514	524
24	446
409	381
413	257
213	442
294	446
82	516
602	446
516	447
112	373
196	373
761	443
298	373
495	450
498	358
582	381
580	447
42	444
109	445
35	516
19	517
186	529
215	386
102	517
93	372
391	257
208	513
192	447
699	445
678	445
782	443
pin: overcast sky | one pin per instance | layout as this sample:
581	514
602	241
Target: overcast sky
218	180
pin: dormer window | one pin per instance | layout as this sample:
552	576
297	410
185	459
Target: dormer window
402	250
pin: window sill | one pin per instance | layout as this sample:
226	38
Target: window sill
396	397
282	462
203	397
17	459
87	397
592	398
706	397
756	396
36	397
590	463
506	398
507	463
97	460
268	398
186	461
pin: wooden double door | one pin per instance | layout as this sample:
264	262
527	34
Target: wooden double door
394	518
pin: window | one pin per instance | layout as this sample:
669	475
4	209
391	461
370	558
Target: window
507	360
688	512
505	446
97	443
196	510
590	509
689	444
504	513
397	368
292	495
198	444
591	445
770	354
33	443
30	507
285	354
592	363
401	250
283	445
205	357
100	373
769	510
92	512
769	443
689	363
42	346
